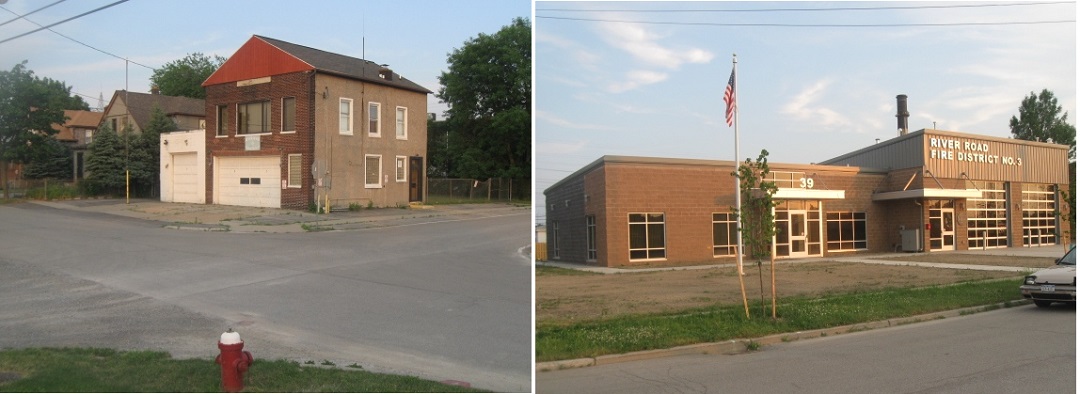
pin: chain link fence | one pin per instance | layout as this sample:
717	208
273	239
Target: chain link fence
472	190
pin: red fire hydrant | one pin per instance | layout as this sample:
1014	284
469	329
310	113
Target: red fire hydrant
234	361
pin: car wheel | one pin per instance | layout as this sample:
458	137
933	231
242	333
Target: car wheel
1043	303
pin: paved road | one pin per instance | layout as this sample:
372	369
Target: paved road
444	300
1023	349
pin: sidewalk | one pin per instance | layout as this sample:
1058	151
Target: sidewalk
1052	251
202	217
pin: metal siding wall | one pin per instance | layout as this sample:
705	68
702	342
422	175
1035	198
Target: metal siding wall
891	155
1031	164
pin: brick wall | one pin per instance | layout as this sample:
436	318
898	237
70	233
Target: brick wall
275	143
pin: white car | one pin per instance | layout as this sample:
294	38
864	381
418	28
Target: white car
1054	284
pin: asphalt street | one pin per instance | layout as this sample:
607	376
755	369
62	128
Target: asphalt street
1013	350
446	299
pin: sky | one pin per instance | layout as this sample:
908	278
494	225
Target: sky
606	83
412	36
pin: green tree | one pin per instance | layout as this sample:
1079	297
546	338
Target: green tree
438	149
53	160
144	153
489	90
105	161
1040	121
756	217
184	77
29	106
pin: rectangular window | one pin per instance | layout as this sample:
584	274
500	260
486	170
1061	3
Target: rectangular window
402	123
590	237
373	119
373	171
253	117
845	231
89	137
295	175
647	236
555	239
345	119
724	232
288	114
222	120
401	163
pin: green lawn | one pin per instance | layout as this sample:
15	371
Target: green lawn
106	370
724	322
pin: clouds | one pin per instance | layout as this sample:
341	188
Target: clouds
653	57
632	55
644	45
808	106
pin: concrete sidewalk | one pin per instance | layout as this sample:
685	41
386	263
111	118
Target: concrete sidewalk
203	217
1051	251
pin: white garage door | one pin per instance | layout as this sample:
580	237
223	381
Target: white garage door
248	181
185	178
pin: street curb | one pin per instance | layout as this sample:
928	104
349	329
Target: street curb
740	346
197	227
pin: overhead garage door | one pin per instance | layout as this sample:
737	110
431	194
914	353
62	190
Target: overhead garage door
185	178
248	181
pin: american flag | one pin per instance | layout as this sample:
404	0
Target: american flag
729	98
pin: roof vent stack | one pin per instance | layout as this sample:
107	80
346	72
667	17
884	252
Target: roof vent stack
901	114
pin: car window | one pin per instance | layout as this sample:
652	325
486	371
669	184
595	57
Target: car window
1069	258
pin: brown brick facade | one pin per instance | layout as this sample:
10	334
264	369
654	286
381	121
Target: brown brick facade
276	142
688	192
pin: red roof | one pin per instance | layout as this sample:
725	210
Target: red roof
256	59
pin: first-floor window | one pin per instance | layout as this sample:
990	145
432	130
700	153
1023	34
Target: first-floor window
295	176
647	238
590	237
724	233
373	171
845	231
555	239
400	163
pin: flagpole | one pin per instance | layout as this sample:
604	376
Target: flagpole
738	191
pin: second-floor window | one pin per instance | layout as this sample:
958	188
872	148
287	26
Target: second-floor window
288	114
373	119
345	116
253	117
402	123
222	120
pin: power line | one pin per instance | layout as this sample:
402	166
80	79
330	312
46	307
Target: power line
64	21
882	8
17	16
79	42
951	24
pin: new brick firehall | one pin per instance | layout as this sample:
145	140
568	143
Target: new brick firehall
922	191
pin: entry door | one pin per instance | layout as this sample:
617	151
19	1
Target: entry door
416	179
942	229
948	229
797	226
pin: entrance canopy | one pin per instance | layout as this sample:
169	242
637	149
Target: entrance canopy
928	193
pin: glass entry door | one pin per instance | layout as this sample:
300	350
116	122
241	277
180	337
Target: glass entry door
797	226
942	228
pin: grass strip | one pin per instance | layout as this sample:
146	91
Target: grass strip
630	333
107	370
